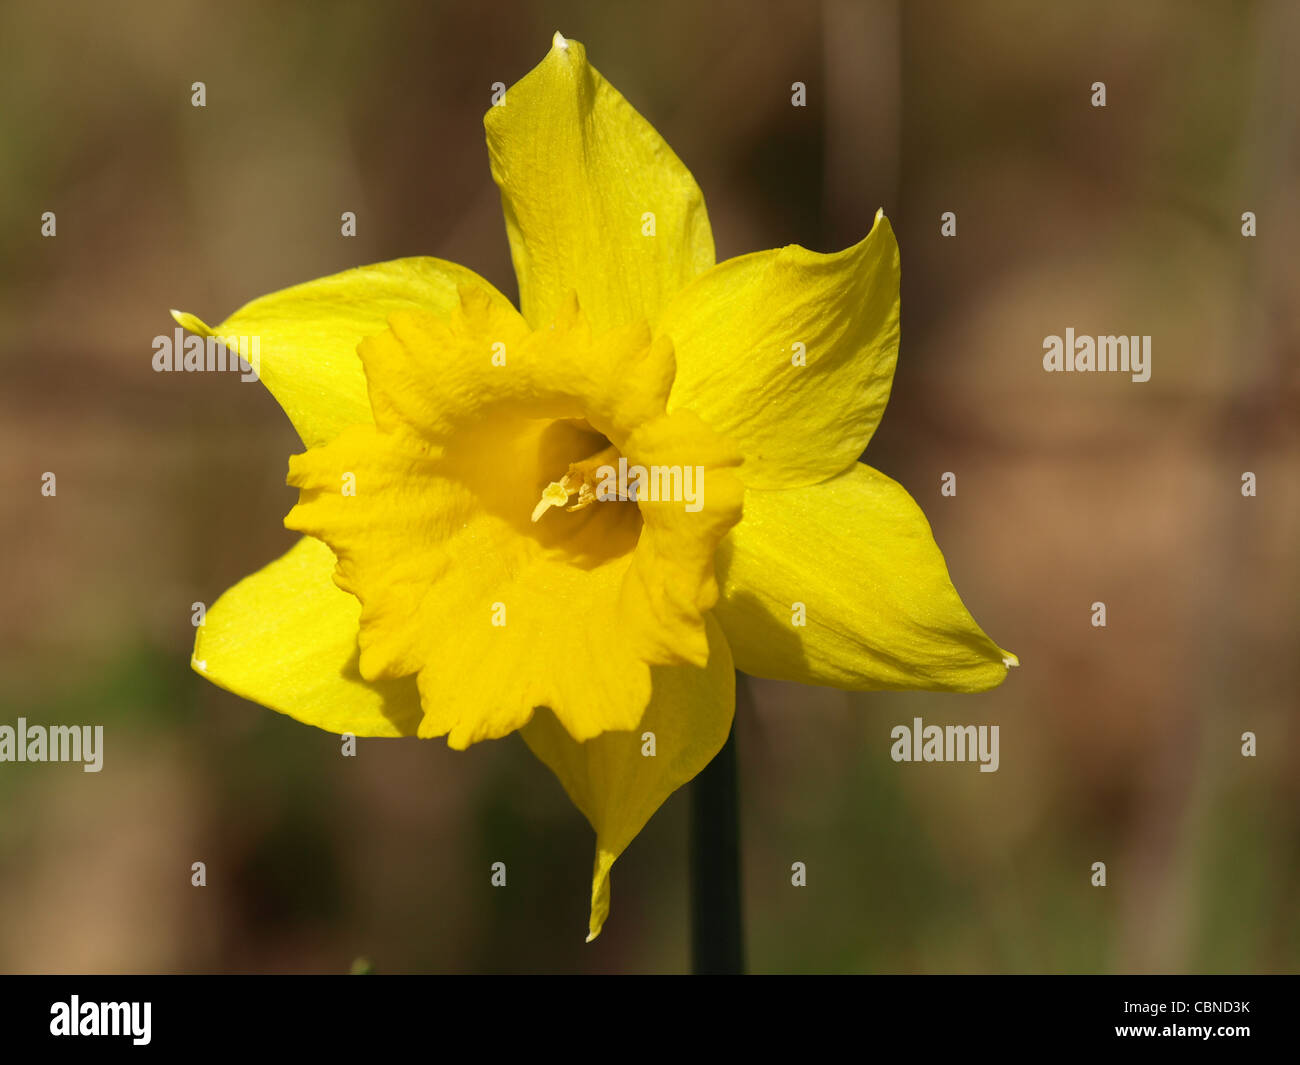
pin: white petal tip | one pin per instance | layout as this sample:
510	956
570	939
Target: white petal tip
559	42
201	664
1011	661
591	936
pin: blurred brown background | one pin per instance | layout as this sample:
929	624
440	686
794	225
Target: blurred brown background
1119	744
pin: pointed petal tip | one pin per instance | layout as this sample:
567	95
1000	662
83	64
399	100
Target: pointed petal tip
1009	660
599	911
599	892
189	321
598	915
559	43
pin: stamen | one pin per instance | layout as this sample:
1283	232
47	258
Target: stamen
586	496
581	479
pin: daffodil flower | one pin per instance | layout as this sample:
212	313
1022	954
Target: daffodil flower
459	578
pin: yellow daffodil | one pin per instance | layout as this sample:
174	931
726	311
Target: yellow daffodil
462	574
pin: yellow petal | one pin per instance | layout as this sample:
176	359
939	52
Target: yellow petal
307	336
740	330
438	376
454	589
618	787
583	179
431	512
881	611
286	637
672	579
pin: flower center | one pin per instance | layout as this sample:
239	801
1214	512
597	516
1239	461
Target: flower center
581	480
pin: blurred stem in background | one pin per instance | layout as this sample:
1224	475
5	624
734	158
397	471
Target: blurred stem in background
717	927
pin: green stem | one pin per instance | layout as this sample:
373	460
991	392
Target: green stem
717	929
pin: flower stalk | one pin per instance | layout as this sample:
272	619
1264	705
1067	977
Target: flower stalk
717	923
